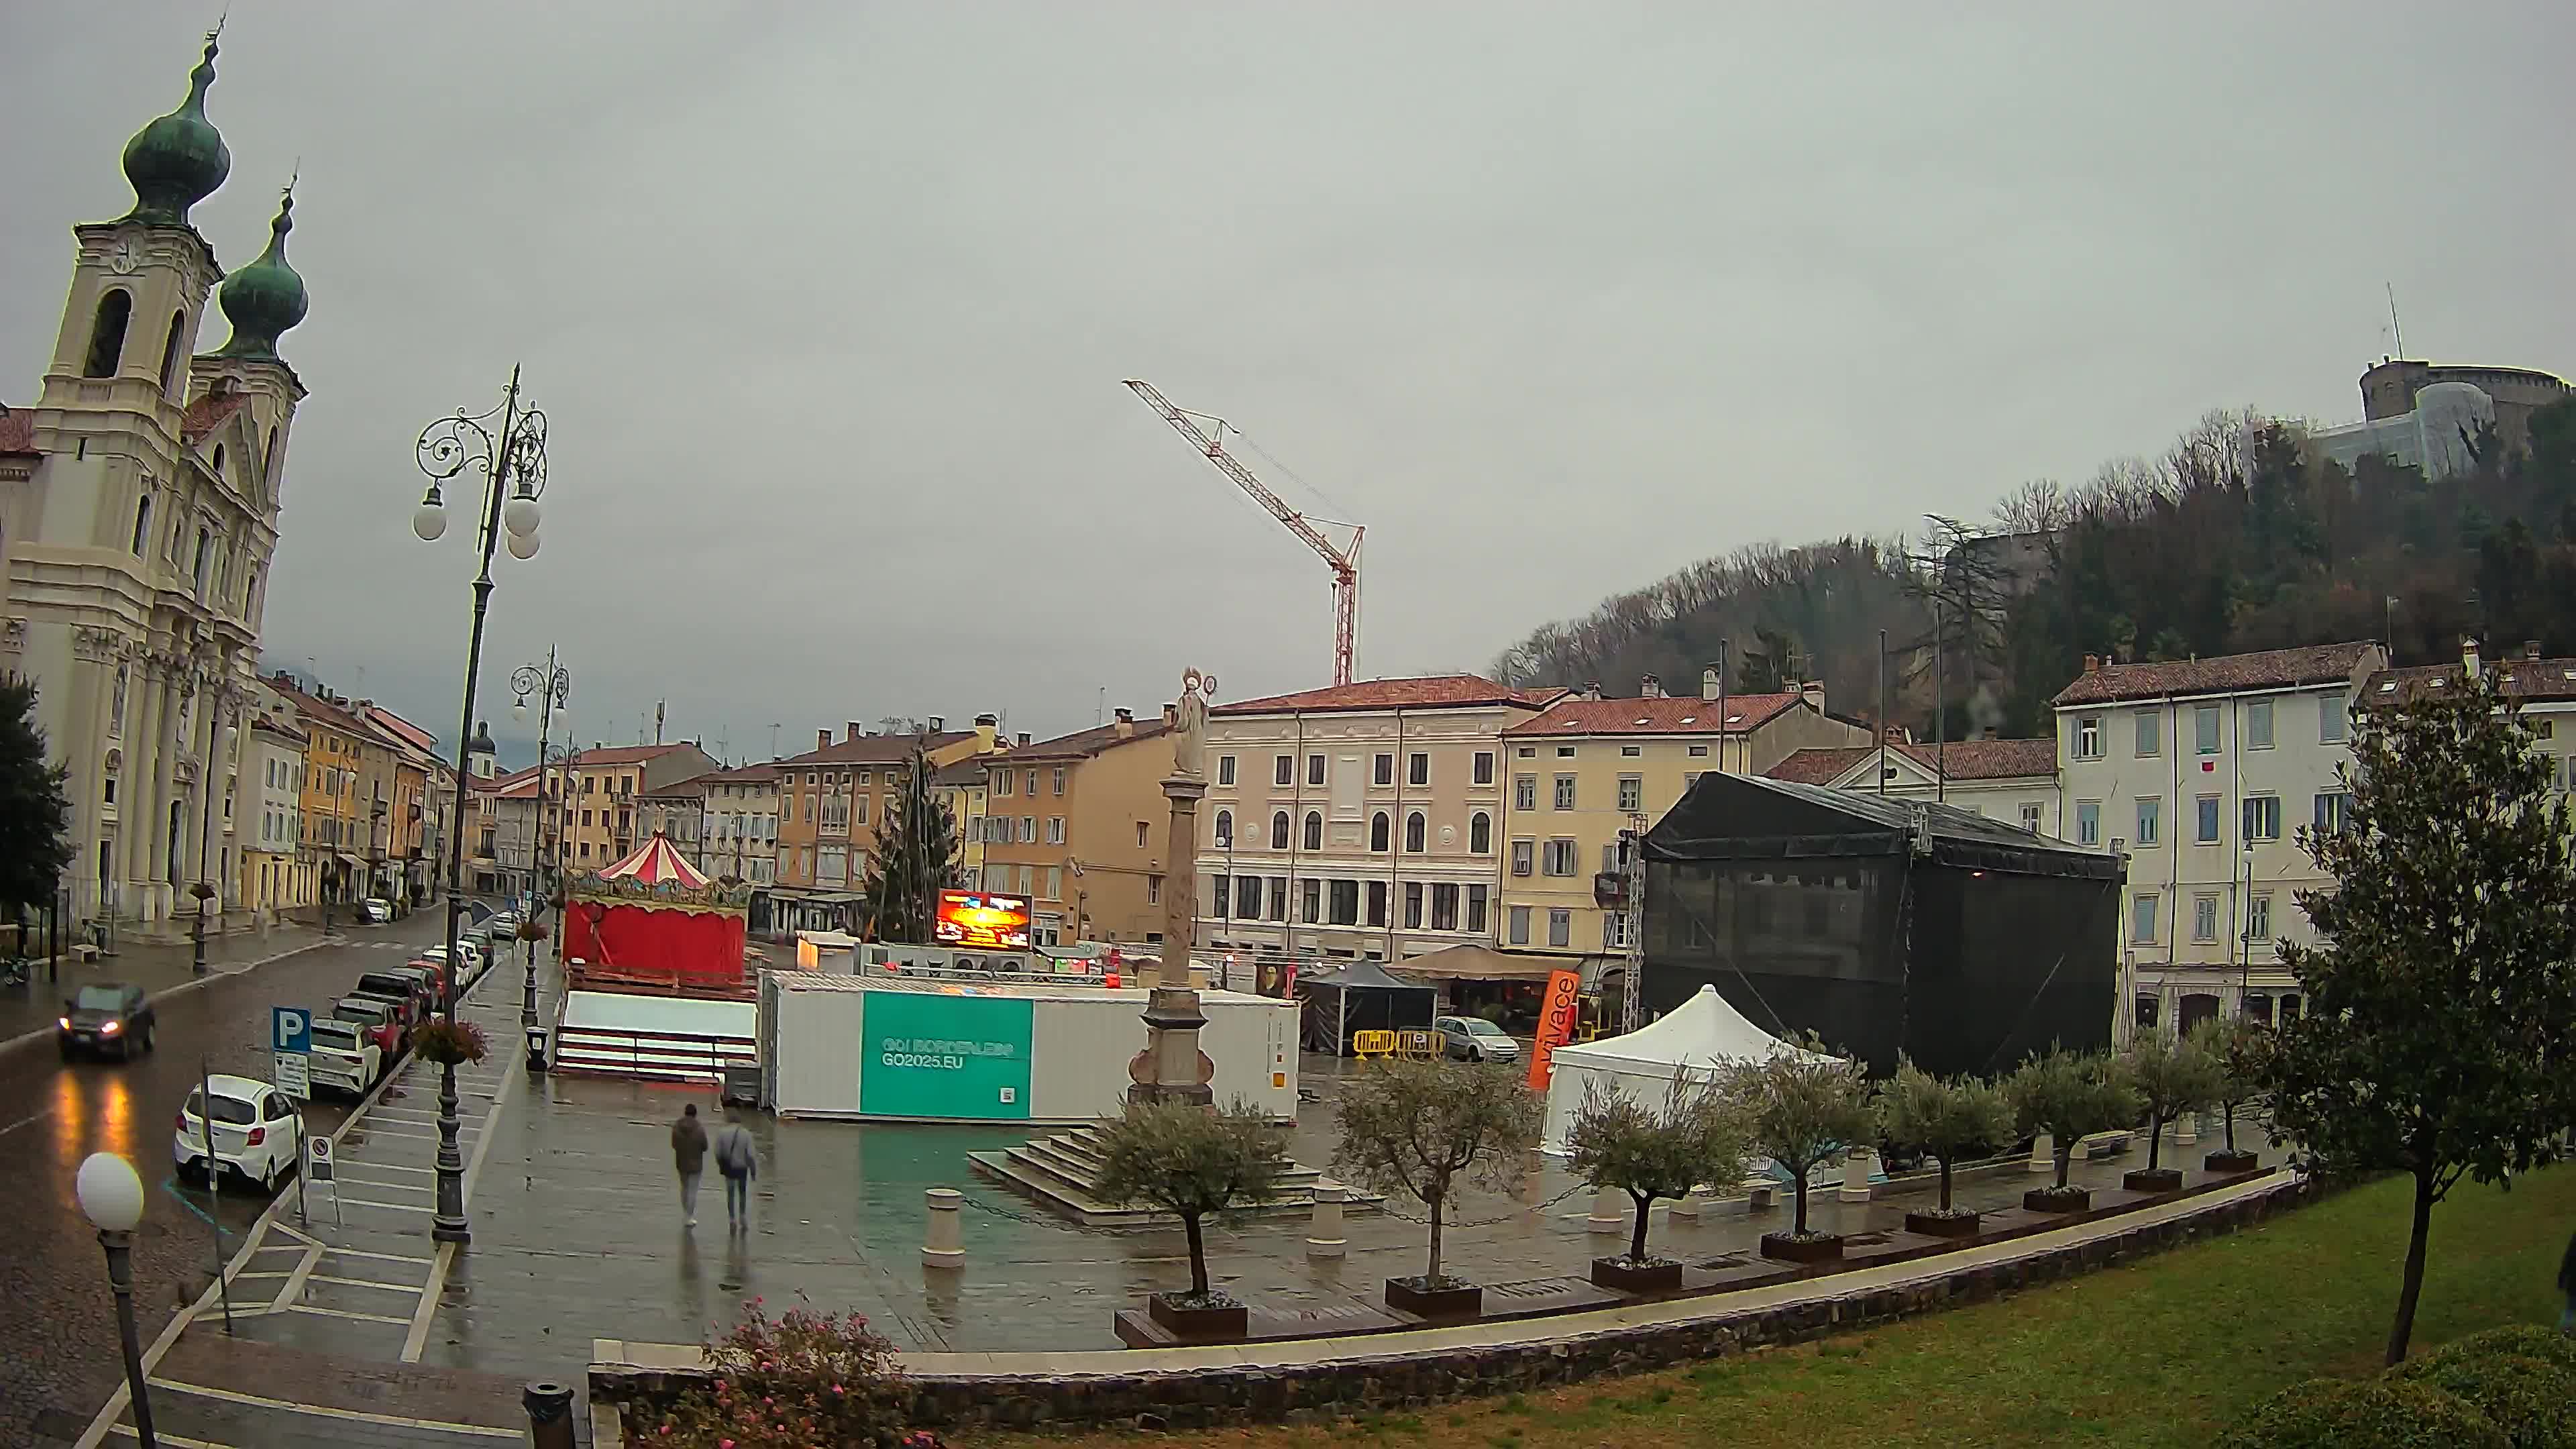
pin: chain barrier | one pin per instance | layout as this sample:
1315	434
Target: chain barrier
1392	1210
1017	1217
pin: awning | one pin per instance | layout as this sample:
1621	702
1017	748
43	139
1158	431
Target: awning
1480	963
351	861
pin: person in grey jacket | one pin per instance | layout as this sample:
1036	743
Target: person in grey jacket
739	1160
689	1155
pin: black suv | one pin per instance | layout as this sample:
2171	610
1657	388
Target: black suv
108	1016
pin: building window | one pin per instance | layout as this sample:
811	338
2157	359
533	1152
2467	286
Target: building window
1153	890
1525	792
1382	770
2088	822
2204	729
142	523
1028	830
2263	817
2258	916
1444	905
1699	752
1030	784
2142	919
2334	720
1378	832
2088	737
1225	769
1417	769
1314	830
1346	903
2206	824
2151	731
2151	820
107	333
1055	830
1279	898
2258	725
2030	815
1517	922
1225	828
2204	918
1004	783
1522	853
1560	858
1059	779
1484	774
2332	807
1314	769
1480	834
1632	793
1055	892
1413	833
1284	770
1560	928
1247	897
1279	830
1565	752
1614	931
1565	792
1525	752
1377	903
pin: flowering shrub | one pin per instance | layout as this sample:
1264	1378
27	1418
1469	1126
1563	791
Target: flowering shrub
450	1042
803	1380
531	929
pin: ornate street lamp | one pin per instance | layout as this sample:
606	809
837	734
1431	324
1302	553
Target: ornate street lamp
553	685
513	464
111	1197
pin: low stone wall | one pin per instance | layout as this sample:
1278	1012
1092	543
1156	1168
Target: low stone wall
1388	1375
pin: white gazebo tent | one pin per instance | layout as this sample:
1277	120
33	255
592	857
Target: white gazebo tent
1693	1038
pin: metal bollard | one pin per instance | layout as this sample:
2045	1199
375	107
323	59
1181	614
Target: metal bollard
1856	1164
1611	1211
549	1409
943	1244
2043	1154
1324	1232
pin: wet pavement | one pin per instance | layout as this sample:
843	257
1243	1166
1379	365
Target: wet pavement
58	1349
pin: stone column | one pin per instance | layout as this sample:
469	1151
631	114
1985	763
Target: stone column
1171	1068
2043	1154
1324	1231
1856	1165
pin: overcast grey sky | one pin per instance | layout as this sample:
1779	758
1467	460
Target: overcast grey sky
830	304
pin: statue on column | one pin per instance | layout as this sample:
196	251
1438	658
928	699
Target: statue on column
1189	730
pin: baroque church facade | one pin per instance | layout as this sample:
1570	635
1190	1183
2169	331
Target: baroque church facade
139	503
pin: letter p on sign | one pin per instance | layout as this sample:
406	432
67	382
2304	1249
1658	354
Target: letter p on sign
290	1029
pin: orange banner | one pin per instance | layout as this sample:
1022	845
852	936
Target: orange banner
1555	1025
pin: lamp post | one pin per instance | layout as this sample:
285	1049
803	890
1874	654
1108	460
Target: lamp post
513	464
111	1197
553	685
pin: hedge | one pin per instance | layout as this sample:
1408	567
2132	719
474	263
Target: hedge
2383	1413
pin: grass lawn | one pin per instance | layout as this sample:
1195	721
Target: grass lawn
2164	1351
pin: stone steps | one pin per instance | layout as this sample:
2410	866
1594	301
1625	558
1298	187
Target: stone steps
1062	1173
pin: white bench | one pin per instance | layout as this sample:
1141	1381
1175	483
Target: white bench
1760	1193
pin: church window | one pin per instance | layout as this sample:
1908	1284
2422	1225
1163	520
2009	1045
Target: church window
142	523
205	557
107	333
219	461
170	352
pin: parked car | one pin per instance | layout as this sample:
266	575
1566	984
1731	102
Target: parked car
376	909
467	951
403	985
436	967
400	1005
381	1020
105	1016
345	1056
1472	1038
256	1131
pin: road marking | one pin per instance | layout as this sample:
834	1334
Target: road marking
234	1396
428	1305
171	1439
294	1288
379	1257
339	1313
388	1206
366	1283
23	1121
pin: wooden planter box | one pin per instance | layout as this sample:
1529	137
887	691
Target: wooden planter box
1941	1225
2225	1161
1406	1295
1821	1248
1210	1323
1622	1276
2152	1179
2050	1200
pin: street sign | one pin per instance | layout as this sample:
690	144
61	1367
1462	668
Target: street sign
317	1158
293	1076
290	1029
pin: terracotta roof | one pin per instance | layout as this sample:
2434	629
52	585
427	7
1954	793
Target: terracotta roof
17	430
516	785
2548	679
695	785
1963	759
208	412
1439	691
1083	744
336	716
968	771
760	774
277	728
1667	715
2226	674
876	749
624	754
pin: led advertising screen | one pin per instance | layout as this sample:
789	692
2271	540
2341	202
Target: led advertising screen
982	921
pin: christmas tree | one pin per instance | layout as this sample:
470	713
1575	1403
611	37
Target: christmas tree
915	859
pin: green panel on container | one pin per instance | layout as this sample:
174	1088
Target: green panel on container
945	1056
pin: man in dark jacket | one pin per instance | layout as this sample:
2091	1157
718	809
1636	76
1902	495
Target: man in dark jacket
689	1155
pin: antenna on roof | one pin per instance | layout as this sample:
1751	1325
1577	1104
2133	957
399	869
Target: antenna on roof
2393	325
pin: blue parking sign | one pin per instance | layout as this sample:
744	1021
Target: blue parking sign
290	1029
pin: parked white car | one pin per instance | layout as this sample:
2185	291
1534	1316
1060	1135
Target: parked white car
257	1131
466	948
343	1057
376	909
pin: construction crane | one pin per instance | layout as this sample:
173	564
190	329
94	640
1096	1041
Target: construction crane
1345	561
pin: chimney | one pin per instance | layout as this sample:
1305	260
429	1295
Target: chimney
855	731
2469	654
939	724
1171	716
1813	692
1021	739
1650	688
1592	690
1708	683
988	732
1125	724
2531	649
822	739
2092	663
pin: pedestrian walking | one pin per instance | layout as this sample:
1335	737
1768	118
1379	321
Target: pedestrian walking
739	1161
689	1155
2567	1289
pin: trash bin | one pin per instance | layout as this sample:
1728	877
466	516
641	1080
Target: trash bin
741	1084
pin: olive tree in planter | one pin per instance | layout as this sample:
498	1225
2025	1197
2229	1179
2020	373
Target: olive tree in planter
1697	1135
1194	1164
2172	1075
1945	1119
2068	1096
1423	1129
1807	1108
2244	1052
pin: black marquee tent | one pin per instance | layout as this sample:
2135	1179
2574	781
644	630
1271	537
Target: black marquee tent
1360	997
1882	925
